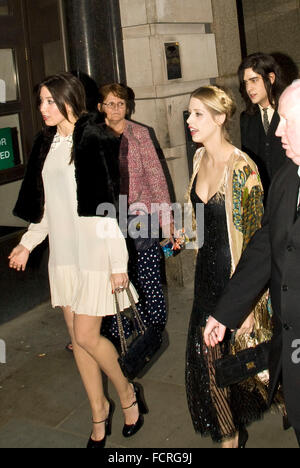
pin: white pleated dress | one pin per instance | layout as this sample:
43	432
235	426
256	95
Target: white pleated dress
84	251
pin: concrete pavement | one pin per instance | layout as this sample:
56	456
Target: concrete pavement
43	403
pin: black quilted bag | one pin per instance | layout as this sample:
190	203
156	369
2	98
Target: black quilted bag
244	364
145	344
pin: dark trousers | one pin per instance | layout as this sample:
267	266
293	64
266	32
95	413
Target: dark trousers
297	431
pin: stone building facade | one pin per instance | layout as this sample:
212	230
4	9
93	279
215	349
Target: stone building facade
209	52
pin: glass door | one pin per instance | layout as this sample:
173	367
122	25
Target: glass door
16	119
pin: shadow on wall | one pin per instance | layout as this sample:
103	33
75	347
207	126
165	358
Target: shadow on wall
91	89
290	71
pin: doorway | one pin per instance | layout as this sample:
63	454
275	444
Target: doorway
31	47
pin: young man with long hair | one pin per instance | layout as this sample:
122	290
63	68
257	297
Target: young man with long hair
261	85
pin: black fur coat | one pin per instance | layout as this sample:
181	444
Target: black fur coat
95	153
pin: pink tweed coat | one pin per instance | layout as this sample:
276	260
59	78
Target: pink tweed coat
147	183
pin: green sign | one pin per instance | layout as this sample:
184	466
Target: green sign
6	149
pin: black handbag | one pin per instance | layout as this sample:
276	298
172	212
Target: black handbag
244	364
146	342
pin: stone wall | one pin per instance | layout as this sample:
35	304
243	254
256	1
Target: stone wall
226	29
147	25
273	26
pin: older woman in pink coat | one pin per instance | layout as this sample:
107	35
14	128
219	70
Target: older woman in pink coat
144	183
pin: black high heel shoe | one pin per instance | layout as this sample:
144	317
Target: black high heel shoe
243	438
130	429
108	423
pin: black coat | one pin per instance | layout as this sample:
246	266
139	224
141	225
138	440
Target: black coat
265	150
95	152
273	254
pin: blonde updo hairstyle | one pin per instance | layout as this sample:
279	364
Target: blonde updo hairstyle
218	102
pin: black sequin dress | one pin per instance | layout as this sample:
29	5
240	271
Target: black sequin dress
216	412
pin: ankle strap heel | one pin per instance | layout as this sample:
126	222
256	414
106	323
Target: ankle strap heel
131	429
108	423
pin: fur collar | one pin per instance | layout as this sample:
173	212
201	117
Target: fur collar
95	153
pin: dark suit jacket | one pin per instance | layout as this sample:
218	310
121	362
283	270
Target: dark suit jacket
273	254
265	150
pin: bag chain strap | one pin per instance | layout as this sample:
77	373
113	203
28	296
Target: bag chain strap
137	317
120	328
136	312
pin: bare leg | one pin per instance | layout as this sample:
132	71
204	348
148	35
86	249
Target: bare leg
91	378
93	352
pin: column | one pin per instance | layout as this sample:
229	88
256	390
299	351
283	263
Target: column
94	38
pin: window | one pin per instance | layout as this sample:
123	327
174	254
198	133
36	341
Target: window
4	8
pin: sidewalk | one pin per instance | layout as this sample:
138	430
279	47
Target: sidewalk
43	403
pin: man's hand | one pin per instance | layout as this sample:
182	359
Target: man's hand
214	332
247	327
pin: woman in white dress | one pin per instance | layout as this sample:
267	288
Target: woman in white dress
72	169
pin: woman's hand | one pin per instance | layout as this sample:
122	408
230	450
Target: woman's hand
119	281
168	232
174	235
247	327
214	332
18	258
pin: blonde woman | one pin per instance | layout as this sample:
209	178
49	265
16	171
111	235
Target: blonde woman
227	182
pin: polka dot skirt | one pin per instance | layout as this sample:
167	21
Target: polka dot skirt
144	273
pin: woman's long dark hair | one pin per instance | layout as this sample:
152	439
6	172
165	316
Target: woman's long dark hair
65	88
262	64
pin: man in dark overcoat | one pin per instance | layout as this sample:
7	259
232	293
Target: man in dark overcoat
273	257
